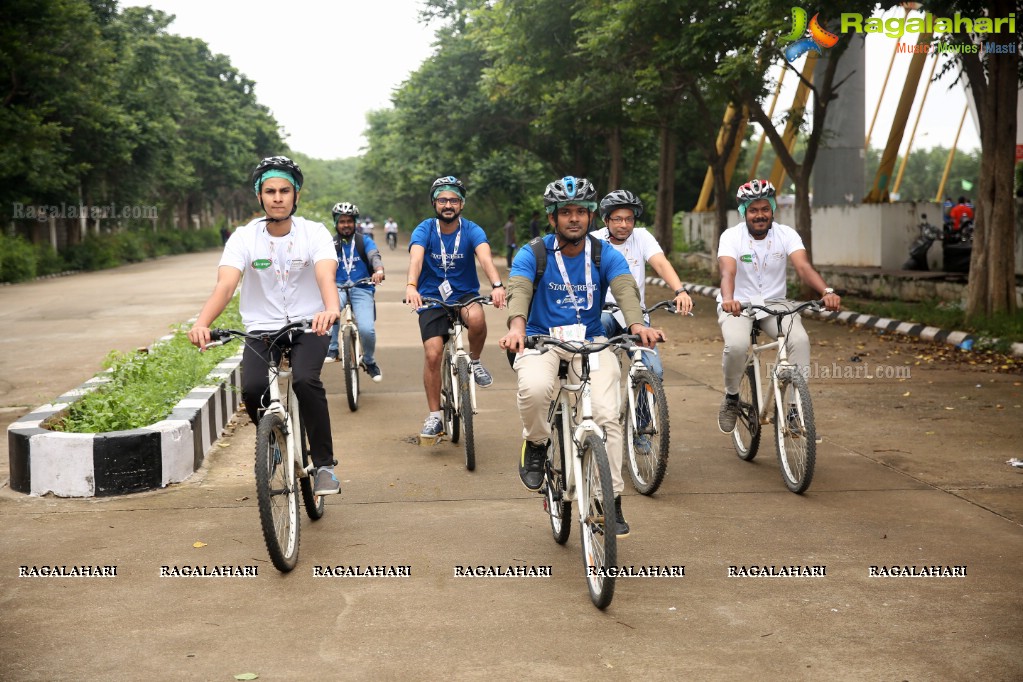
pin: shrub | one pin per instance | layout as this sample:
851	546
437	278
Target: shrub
48	261
17	259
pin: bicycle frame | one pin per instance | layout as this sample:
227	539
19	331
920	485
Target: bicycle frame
289	417
562	408
455	347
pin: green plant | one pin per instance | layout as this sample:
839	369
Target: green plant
145	386
17	259
48	261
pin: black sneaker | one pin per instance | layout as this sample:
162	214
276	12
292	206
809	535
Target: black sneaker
374	372
622	529
728	413
531	464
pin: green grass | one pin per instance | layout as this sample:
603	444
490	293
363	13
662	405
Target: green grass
145	386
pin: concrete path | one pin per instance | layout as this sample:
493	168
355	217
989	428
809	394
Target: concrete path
911	473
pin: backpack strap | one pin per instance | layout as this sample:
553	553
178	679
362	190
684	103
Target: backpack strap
360	246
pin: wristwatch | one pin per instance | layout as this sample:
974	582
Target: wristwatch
498	285
680	290
827	290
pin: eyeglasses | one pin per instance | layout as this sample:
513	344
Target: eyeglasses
618	220
442	201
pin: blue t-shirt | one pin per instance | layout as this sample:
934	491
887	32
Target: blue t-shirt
461	270
347	251
551	307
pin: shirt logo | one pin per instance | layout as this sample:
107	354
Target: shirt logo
261	264
746	258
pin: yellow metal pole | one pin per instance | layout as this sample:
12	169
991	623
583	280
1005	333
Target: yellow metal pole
791	127
912	135
884	86
763	135
879	191
703	203
951	155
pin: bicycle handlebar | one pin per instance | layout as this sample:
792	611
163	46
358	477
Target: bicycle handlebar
815	305
350	283
541	341
457	305
219	337
668	306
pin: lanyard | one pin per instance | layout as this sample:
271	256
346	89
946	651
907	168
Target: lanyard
568	284
756	262
349	262
444	264
281	273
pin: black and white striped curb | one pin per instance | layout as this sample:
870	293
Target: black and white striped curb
963	340
121	462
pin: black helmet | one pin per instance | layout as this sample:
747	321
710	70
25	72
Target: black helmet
569	190
620	198
345	208
281	163
448	182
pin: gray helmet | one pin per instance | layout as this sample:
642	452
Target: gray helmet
620	198
570	190
345	208
449	182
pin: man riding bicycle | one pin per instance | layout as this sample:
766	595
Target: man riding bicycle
391	231
619	210
566	302
442	266
358	256
752	259
288	264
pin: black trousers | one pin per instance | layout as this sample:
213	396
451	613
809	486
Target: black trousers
307	354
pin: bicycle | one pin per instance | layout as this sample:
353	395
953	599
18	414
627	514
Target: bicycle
646	428
795	432
458	389
283	463
392	240
351	344
587	480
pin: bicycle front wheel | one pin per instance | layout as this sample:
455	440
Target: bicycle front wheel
795	432
351	369
558	508
465	412
314	504
647	432
746	435
276	495
598	525
447	397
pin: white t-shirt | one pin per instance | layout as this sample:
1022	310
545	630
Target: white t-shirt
390	226
639	248
265	262
760	265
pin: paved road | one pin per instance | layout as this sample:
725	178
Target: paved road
911	472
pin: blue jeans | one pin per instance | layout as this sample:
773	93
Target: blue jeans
363	310
651	360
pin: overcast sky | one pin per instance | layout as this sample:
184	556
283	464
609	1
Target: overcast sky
320	66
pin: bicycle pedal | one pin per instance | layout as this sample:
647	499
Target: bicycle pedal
818	441
425	441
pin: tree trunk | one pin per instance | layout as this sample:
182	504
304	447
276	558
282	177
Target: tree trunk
721	204
665	190
614	148
992	284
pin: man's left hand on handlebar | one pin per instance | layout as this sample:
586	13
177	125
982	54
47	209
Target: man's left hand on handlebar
324	320
648	337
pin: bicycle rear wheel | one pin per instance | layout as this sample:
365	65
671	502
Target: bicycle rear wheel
558	508
599	542
277	496
746	435
314	504
465	412
795	432
447	397
647	432
351	369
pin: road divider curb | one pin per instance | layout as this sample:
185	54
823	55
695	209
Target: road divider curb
963	340
43	461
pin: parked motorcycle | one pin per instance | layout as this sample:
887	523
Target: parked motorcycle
921	245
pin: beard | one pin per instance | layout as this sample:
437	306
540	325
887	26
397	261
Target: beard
759	227
455	215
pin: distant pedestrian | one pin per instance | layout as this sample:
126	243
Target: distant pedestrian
509	237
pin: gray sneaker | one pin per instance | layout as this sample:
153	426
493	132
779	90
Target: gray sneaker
727	414
482	376
326	482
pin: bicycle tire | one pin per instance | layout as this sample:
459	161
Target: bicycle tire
599	546
351	370
276	496
447	402
558	508
746	434
647	433
797	447
465	413
455	426
314	504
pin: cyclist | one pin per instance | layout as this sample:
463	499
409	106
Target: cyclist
619	210
357	257
567	302
288	265
752	258
441	266
391	230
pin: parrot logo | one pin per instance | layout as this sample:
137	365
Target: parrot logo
819	36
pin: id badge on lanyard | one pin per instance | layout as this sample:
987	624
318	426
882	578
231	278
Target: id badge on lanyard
445	288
